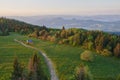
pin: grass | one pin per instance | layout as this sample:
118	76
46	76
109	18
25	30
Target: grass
9	49
66	58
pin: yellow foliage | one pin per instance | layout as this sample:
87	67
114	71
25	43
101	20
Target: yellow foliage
87	56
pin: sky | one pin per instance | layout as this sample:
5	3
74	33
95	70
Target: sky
59	7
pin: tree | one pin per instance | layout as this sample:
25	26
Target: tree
63	28
57	34
63	34
83	73
76	39
3	28
17	73
117	50
35	71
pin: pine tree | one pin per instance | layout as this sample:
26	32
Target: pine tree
63	28
17	73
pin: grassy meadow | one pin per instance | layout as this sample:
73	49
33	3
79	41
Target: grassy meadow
9	49
66	58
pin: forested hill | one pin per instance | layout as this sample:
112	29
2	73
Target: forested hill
11	25
104	43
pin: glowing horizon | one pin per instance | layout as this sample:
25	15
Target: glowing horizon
59	7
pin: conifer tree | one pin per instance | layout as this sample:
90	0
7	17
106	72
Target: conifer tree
17	73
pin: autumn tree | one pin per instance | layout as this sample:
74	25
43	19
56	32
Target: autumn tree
83	73
117	50
63	34
35	71
76	39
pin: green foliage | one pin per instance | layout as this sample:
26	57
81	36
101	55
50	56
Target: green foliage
105	52
10	25
3	28
76	39
87	56
118	77
70	40
92	40
90	45
65	41
17	73
66	58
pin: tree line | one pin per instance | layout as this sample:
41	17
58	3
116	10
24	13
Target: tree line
103	43
11	25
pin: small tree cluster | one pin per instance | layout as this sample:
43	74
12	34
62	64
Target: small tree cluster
35	71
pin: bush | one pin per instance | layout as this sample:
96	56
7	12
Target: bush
105	52
65	41
52	39
87	56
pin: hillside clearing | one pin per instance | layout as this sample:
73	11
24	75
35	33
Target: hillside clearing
48	61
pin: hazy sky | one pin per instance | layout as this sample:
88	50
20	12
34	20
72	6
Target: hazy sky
58	7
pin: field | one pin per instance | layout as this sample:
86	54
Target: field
65	58
9	49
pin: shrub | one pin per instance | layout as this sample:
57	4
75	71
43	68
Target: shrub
65	41
52	39
87	56
105	52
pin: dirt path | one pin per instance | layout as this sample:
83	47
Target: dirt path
48	61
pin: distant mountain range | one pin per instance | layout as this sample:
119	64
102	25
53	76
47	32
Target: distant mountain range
109	23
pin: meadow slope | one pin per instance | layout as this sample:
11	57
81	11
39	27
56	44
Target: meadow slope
66	58
9	49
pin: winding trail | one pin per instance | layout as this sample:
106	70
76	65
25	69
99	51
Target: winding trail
48	61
